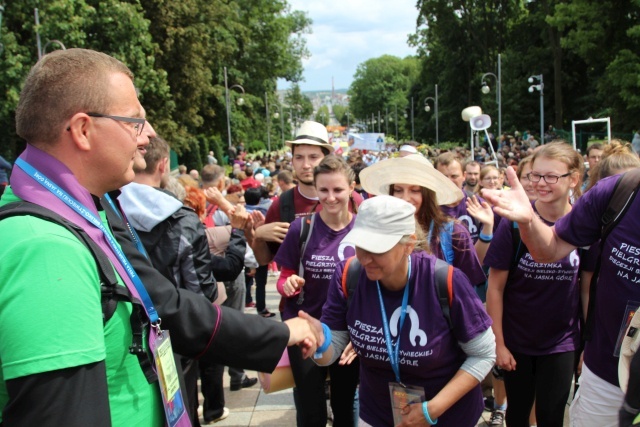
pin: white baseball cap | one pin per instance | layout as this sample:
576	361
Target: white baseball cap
380	224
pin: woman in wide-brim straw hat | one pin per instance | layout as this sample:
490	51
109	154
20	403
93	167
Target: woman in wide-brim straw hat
396	323
414	179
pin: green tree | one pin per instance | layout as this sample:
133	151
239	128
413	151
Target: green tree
381	83
108	26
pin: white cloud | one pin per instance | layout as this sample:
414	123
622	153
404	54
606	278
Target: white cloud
348	32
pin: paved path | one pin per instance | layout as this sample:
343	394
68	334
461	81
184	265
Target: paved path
252	407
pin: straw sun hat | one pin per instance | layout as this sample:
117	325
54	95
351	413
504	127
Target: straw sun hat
413	169
312	133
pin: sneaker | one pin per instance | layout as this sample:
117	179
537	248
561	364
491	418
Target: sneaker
246	382
225	414
497	418
250	305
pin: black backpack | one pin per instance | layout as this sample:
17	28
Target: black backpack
624	193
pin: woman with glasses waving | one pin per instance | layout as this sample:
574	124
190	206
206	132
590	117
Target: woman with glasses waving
536	307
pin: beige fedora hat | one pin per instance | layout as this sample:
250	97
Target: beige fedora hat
413	169
312	133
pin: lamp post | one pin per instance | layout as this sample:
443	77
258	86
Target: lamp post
227	102
348	121
275	116
427	108
396	108
486	89
1	12
41	50
281	124
539	87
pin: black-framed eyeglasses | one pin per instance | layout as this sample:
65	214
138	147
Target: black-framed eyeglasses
549	179
138	123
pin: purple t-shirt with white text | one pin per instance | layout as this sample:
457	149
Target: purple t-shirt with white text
429	352
541	302
323	251
618	288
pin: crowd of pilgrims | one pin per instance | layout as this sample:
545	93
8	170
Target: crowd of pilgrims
533	310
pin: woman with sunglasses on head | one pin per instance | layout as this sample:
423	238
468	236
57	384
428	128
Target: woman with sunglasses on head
536	307
414	179
415	368
308	260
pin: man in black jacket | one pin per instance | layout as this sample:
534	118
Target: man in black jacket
175	240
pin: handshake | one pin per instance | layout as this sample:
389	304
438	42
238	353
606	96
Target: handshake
306	332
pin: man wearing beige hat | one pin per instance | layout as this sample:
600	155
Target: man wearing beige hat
309	147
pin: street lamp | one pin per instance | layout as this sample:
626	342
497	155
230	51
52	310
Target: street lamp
539	87
486	89
275	116
396	108
41	50
348	121
427	108
1	12
227	103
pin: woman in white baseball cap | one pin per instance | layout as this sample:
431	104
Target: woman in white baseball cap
414	179
414	366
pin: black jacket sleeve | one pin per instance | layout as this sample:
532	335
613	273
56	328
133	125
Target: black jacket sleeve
199	328
73	397
227	268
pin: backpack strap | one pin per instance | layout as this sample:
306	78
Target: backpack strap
287	207
446	242
444	288
306	228
350	277
111	292
519	248
624	193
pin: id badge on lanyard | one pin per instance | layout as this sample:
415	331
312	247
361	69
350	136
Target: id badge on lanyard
174	407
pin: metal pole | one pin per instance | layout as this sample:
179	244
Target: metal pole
266	107
413	138
499	99
1	12
39	43
541	111
437	136
386	118
348	126
396	108
379	130
226	101
282	125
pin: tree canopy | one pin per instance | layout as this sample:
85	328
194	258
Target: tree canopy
177	51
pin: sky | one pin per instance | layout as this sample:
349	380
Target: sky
345	33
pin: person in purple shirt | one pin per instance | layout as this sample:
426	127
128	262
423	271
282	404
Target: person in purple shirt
414	369
414	179
537	352
599	397
307	269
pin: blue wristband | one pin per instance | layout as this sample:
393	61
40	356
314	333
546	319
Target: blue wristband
327	341
425	411
485	238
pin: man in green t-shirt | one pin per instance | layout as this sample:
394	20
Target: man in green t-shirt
61	364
